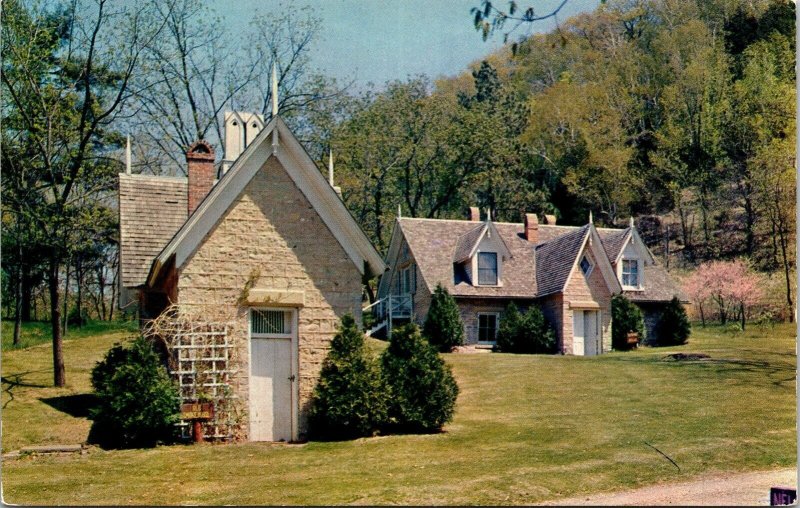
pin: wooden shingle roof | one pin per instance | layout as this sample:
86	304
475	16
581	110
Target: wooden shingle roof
151	210
556	258
433	244
532	271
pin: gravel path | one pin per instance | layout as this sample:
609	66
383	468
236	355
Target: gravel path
747	489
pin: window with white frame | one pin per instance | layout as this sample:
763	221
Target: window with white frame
487	326
630	272
586	266
266	323
487	268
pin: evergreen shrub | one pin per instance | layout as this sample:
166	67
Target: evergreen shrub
137	402
673	326
422	388
349	400
443	327
625	317
525	333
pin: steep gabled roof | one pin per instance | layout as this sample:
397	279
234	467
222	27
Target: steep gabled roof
275	140
614	241
151	210
468	243
658	286
555	259
432	243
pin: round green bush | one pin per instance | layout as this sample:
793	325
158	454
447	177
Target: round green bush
673	326
443	327
422	388
525	333
625	317
350	398
137	402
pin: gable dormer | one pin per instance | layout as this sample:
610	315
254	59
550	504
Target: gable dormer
632	258
480	253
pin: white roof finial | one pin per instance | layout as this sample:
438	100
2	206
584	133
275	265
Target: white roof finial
591	220
399	211
274	89
128	155
330	166
632	226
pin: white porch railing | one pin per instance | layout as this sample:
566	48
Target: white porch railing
388	309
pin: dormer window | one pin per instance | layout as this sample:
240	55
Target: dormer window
630	273
586	266
487	268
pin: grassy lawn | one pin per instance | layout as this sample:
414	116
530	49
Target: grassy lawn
527	428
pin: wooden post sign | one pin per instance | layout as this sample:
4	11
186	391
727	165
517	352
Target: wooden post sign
197	412
782	496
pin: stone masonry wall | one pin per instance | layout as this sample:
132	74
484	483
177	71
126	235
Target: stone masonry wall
595	290
469	309
272	231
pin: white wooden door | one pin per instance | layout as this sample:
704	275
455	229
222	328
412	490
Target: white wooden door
577	332
271	390
272	342
590	335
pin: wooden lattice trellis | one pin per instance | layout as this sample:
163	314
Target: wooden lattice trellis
202	361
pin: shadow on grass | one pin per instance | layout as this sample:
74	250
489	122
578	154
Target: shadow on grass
14	380
74	405
722	366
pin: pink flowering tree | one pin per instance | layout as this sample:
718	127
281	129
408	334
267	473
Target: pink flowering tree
730	285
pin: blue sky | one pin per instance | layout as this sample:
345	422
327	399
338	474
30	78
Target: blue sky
380	40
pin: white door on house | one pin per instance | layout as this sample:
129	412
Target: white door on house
591	337
577	333
272	339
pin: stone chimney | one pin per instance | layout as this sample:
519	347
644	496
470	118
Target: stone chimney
532	228
550	219
200	162
474	214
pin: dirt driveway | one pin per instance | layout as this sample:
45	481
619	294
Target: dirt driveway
748	489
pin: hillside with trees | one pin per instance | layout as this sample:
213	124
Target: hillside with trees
678	113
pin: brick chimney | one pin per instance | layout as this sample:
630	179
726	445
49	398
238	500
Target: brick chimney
200	162
532	228
474	214
550	219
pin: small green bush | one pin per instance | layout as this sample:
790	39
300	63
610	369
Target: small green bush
625	317
137	402
350	399
673	326
525	333
422	388
443	327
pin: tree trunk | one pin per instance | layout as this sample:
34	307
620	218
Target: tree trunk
66	298
18	305
786	270
59	374
702	315
742	311
79	279
27	292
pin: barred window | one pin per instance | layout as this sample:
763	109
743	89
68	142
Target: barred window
270	322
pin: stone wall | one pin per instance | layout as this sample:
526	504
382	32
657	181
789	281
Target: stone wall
470	308
272	235
579	289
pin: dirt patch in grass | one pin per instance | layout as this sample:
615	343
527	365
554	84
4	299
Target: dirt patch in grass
684	357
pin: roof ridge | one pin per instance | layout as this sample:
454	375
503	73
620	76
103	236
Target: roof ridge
154	177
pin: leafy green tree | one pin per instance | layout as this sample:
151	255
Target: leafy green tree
525	333
137	402
443	327
65	79
673	326
422	388
626	317
350	399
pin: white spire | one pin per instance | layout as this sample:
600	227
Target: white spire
274	89
128	155
330	166
632	226
591	220
399	211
